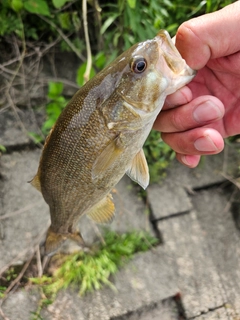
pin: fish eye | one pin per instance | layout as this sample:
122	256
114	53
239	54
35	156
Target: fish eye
138	65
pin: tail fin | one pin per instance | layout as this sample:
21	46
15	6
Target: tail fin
55	240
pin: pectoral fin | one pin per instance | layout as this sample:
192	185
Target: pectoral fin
55	240
139	170
108	156
35	182
103	211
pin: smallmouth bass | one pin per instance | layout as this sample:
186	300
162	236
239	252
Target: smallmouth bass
99	136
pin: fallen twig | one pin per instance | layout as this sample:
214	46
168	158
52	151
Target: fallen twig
71	45
19	277
14	213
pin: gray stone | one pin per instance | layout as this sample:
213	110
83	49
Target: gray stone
164	310
20	305
167	198
196	275
222	313
171	195
223	238
24	216
210	171
143	282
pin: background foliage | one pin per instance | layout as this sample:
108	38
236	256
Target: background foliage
35	26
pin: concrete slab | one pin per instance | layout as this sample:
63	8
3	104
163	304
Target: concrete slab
209	172
24	214
223	313
20	306
197	278
142	283
164	310
223	239
167	199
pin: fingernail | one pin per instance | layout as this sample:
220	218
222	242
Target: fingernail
190	160
205	144
207	111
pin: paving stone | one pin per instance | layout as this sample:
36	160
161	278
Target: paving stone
145	281
26	212
209	171
167	198
171	195
164	310
223	238
20	305
197	278
223	313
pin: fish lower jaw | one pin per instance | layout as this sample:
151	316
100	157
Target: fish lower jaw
179	83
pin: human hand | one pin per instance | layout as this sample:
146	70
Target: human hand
196	118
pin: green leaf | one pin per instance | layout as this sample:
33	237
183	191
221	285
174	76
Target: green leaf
59	3
131	3
16	5
36	137
100	60
108	22
64	19
37	6
54	89
2	148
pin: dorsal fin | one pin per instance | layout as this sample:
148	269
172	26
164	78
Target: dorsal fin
35	182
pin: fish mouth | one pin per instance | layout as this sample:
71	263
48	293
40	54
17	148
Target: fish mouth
178	69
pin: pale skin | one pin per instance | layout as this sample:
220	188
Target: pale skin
195	119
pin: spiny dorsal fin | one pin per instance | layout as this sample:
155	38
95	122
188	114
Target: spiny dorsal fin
35	182
103	211
139	170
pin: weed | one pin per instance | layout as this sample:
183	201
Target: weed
91	270
55	106
2	149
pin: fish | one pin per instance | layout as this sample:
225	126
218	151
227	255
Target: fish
99	136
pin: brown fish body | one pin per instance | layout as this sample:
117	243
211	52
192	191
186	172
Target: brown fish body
99	135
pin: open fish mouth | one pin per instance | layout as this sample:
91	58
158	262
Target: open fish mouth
178	70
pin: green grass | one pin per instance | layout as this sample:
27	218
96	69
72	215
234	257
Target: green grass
89	271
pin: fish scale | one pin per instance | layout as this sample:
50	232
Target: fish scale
99	136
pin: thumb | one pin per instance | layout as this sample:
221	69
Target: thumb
210	36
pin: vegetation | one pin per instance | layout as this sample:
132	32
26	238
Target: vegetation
91	270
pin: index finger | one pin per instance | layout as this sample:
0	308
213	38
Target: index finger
209	36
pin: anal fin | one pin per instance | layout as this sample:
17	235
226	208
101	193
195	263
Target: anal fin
103	211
